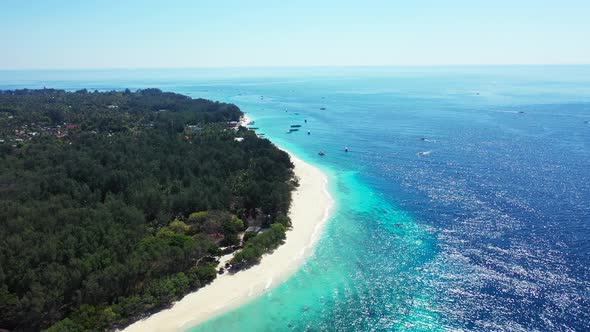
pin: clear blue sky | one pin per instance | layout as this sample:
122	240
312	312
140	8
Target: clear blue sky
181	33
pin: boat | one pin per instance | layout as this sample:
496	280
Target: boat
322	108
295	126
253	128
321	153
423	154
291	130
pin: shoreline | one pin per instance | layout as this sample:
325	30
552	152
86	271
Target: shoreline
310	209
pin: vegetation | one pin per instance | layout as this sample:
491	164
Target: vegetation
114	204
258	245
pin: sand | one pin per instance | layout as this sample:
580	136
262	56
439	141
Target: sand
310	209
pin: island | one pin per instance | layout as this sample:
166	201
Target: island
115	204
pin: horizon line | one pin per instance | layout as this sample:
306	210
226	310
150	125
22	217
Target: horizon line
296	66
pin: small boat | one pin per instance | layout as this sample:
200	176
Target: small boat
293	129
346	149
251	123
295	126
321	153
423	154
253	128
322	108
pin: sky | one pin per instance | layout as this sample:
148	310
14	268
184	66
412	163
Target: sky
74	34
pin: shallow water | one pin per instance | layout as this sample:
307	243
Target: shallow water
462	204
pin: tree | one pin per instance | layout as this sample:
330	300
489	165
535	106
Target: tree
96	219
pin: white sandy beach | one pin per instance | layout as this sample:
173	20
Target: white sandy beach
309	212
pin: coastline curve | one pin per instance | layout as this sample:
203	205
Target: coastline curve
311	208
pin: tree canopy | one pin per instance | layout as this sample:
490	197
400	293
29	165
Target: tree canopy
112	205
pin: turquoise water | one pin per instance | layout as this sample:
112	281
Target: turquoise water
366	236
463	203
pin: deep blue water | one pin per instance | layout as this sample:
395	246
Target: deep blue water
463	203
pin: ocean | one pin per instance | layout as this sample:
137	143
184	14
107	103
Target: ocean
461	204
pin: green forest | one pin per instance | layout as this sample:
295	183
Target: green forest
115	204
